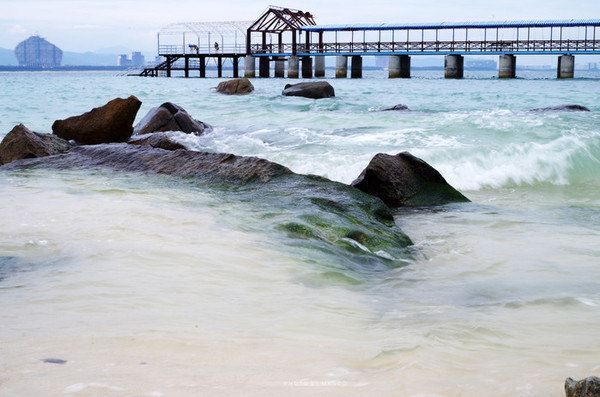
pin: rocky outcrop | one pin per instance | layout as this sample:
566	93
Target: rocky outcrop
399	108
112	122
159	140
170	117
405	180
589	387
21	143
312	90
562	108
241	86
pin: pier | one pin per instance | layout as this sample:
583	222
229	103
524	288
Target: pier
286	40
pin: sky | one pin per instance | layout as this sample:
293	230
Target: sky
105	25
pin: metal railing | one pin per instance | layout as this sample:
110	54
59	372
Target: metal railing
201	50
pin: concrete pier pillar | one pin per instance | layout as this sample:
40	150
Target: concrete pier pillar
454	67
507	66
264	67
341	67
566	67
279	68
293	67
307	68
399	67
356	67
320	66
249	66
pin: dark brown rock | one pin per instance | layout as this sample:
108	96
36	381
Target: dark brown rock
399	108
21	143
312	90
170	117
405	180
562	108
159	140
589	387
112	122
241	86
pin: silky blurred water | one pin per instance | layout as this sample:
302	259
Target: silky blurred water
152	286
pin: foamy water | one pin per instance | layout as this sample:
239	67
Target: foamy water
153	286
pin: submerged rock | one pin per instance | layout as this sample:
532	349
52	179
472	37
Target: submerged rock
22	143
313	90
399	108
327	216
241	86
405	180
112	122
59	361
589	387
170	117
159	140
562	108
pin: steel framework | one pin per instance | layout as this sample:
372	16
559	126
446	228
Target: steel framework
199	37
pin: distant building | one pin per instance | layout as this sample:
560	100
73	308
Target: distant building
36	52
137	60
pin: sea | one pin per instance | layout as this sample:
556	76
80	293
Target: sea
115	284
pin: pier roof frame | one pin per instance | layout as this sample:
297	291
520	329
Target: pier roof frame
456	25
224	28
279	19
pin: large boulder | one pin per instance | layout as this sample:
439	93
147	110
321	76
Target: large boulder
313	90
562	108
170	117
405	180
589	387
241	86
22	143
159	140
112	122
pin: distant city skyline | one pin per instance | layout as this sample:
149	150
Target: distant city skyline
103	25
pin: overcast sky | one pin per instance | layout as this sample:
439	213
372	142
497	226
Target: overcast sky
93	25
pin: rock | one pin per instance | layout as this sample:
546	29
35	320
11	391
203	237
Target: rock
241	86
59	361
589	387
313	90
21	143
159	140
562	108
170	117
405	180
112	122
399	107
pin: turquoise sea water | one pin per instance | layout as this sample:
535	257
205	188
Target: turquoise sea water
109	271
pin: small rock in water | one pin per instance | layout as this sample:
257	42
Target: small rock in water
312	90
562	108
241	86
589	387
405	180
399	107
110	123
54	361
170	117
22	143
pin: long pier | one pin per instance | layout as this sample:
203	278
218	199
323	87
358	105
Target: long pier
291	40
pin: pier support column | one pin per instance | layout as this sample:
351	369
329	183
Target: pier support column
454	67
356	67
219	67
399	67
293	67
264	66
186	67
566	67
249	66
320	66
236	67
341	67
279	68
202	66
507	66
307	68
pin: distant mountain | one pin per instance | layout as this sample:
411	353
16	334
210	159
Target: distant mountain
101	58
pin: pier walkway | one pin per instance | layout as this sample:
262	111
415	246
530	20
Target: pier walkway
293	41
